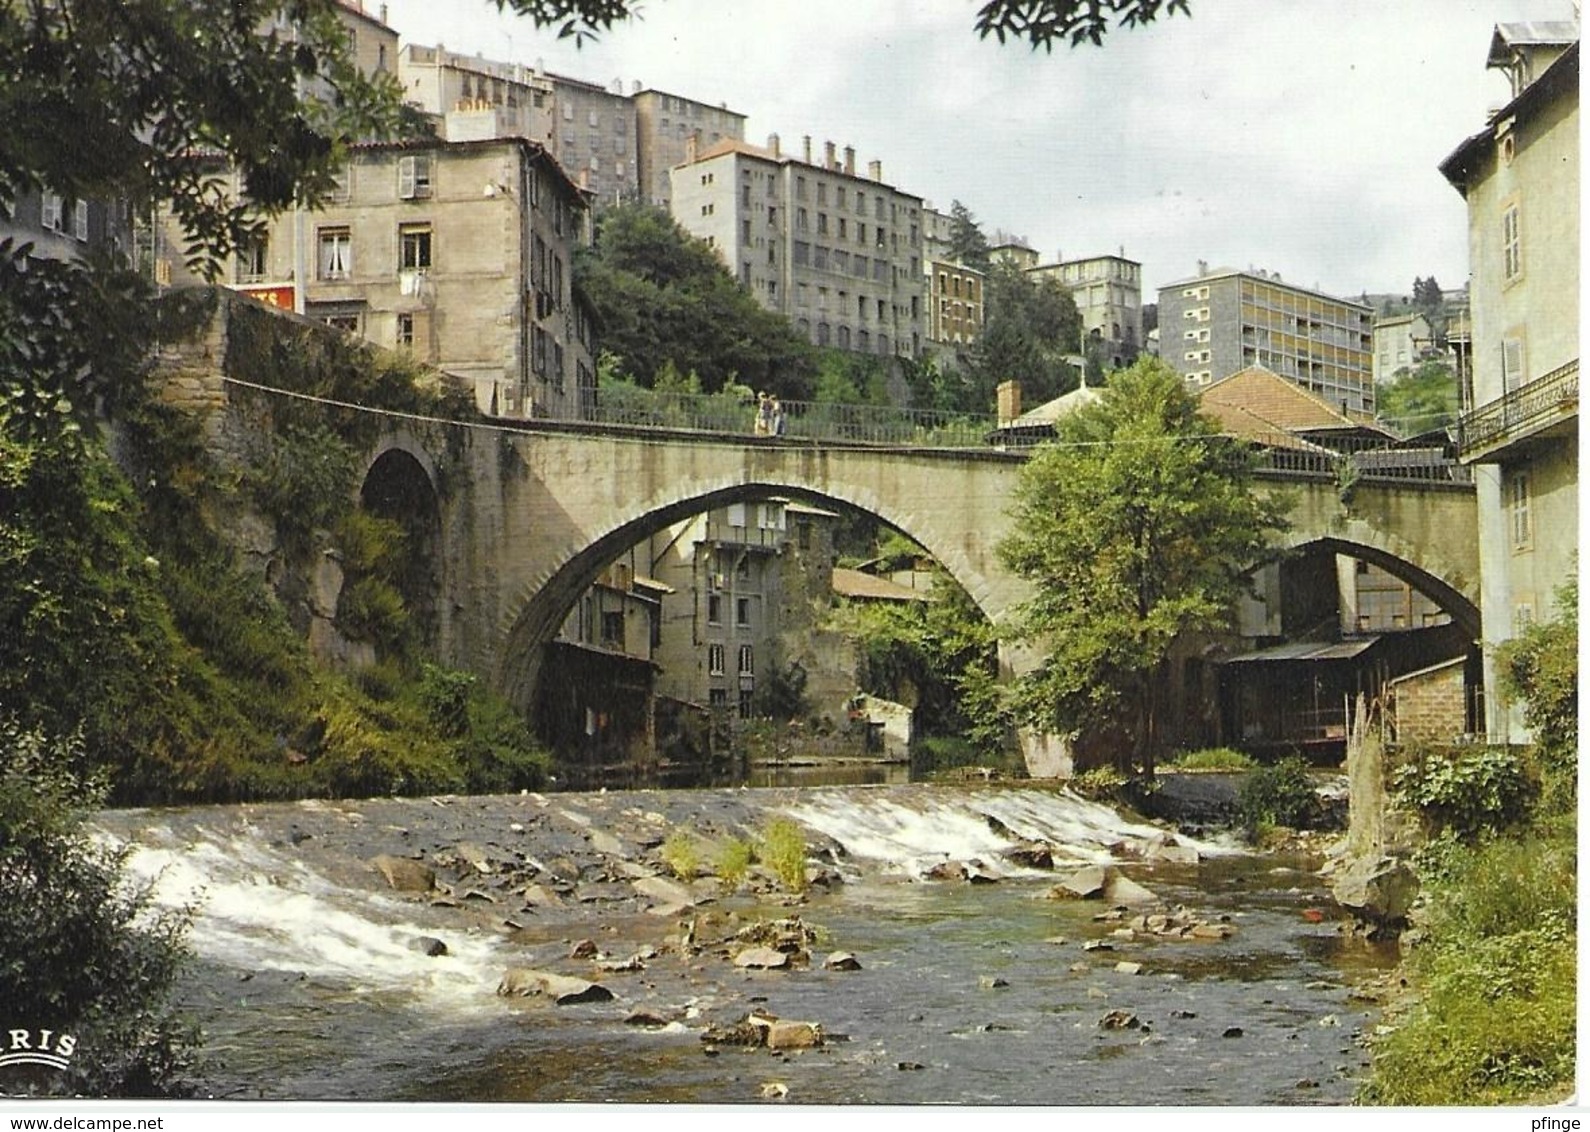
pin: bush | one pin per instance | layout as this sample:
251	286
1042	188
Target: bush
1495	977
783	849
682	855
1212	758
1468	791
82	952
1282	794
733	862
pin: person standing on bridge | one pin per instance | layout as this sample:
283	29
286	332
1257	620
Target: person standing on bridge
764	415
777	415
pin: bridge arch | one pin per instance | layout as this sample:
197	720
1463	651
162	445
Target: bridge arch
542	609
1464	611
399	485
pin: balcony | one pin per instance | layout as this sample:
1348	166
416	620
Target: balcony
1545	408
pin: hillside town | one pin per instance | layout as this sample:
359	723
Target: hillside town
701	619
592	442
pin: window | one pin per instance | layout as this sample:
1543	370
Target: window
414	176
613	629
1518	519
256	258
414	246
715	660
336	253
1512	364
714	609
742	611
747	696
1512	249
747	665
54	210
405	331
80	220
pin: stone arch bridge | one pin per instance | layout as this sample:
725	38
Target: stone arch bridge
526	517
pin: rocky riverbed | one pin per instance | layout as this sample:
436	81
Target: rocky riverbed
547	947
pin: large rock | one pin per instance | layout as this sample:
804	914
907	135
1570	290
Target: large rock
1168	850
1122	890
1378	890
565	990
1085	883
764	957
784	1034
405	874
661	890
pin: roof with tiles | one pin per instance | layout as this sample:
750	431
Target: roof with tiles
1257	395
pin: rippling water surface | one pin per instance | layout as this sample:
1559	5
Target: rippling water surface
309	985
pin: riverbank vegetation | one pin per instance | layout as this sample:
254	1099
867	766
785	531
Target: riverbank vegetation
1493	972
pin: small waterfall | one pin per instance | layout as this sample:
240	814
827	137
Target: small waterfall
913	829
258	909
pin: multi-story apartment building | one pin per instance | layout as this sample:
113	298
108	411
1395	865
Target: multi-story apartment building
1400	341
666	125
954	303
747	584
455	252
1219	322
64	229
1520	177
840	254
1108	291
597	706
590	129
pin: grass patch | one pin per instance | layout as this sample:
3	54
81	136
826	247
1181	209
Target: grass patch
783	850
682	854
1212	758
733	862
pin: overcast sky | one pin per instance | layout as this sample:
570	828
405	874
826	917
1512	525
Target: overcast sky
1299	136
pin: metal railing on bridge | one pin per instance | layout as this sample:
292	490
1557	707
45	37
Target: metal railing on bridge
721	413
1339	457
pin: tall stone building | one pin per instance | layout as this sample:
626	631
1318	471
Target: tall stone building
1219	322
1520	177
457	253
587	127
838	253
666	125
1108	291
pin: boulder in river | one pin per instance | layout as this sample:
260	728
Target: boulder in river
842	961
666	893
1378	890
565	990
785	1034
1123	890
1032	855
767	958
1120	1020
405	874
428	945
1085	883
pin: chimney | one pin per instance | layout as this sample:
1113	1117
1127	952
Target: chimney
830	161
690	149
806	148
1203	267
1008	399
875	170
383	16
772	145
618	87
850	161
634	87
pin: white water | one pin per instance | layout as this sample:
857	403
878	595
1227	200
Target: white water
910	837
255	908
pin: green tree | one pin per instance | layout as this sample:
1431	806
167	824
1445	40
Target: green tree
1419	400
1030	327
968	245
1541	668
1138	524
666	304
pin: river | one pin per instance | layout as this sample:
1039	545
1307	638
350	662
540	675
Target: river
309	983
